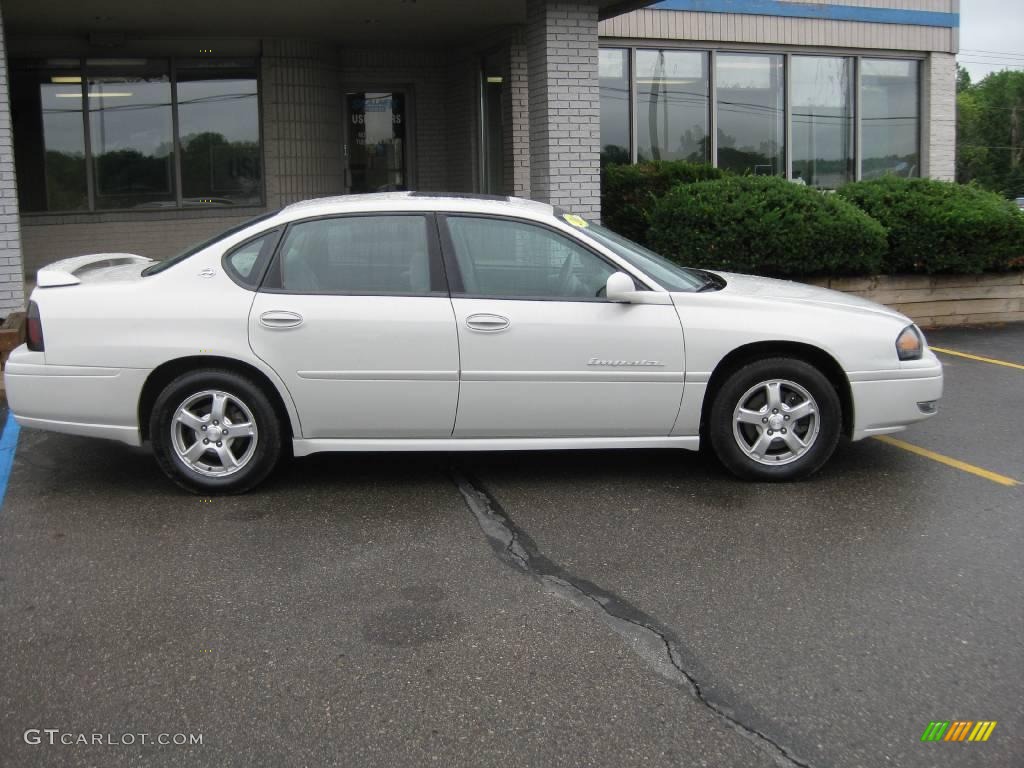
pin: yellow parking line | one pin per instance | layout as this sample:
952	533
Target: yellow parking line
978	358
948	461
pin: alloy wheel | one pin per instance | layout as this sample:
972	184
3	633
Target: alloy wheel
776	422
214	433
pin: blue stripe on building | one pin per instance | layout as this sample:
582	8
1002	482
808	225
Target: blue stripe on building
815	11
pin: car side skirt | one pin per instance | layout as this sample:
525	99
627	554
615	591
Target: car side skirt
302	447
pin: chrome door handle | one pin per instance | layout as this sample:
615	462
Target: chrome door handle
278	318
488	322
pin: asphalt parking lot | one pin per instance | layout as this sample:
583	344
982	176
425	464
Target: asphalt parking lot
605	609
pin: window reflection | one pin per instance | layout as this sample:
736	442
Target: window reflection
128	107
614	85
672	105
218	125
822	93
751	113
130	133
46	112
890	133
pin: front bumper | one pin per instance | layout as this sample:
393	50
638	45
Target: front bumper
889	401
76	400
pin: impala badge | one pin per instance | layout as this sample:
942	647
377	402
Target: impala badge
626	363
207	272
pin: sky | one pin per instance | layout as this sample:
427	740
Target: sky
991	36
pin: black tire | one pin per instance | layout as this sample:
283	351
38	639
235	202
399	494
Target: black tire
262	457
780	461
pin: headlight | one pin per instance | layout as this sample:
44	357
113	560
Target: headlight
910	344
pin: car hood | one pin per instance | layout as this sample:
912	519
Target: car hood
799	293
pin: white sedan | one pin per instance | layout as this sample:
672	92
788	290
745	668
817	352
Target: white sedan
417	322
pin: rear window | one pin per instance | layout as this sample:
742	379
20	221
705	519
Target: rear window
160	266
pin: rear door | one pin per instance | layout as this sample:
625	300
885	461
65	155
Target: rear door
354	315
543	353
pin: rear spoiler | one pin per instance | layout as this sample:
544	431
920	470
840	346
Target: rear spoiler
64	272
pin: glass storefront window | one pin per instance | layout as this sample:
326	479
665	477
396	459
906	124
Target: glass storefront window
130	130
49	153
890	131
822	97
126	108
218	126
613	70
751	113
672	105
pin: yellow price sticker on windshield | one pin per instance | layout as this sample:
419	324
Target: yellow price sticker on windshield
576	221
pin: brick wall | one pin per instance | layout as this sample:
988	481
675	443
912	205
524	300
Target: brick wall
564	105
426	74
12	295
302	128
516	115
938	112
47	239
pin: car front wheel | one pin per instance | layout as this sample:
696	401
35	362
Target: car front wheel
214	431
775	419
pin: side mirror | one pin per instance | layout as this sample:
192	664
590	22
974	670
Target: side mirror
620	287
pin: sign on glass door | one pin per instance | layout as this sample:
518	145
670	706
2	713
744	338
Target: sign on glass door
376	141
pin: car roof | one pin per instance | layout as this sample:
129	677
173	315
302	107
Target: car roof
419	201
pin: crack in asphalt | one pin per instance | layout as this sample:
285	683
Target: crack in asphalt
653	642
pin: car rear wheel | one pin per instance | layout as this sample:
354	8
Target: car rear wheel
775	419
214	431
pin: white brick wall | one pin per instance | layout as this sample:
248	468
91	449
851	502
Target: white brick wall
12	290
938	112
564	105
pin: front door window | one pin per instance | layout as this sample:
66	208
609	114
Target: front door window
377	147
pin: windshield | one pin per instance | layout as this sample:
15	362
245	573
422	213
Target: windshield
160	266
671	276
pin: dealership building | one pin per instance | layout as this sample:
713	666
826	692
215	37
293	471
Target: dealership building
145	127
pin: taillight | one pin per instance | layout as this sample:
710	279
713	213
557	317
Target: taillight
34	328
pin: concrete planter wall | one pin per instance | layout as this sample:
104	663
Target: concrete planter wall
941	300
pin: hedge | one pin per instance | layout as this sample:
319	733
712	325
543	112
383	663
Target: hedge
940	226
629	192
765	225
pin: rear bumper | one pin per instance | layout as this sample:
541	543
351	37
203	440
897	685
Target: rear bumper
76	400
882	405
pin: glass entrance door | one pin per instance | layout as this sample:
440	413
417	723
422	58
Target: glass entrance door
377	149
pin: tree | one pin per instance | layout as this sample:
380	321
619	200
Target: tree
990	131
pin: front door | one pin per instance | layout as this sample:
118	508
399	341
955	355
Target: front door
376	147
354	316
543	353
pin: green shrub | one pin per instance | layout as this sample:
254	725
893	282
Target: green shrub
939	226
765	225
629	192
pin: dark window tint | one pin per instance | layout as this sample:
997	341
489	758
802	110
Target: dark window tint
356	254
513	259
49	132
